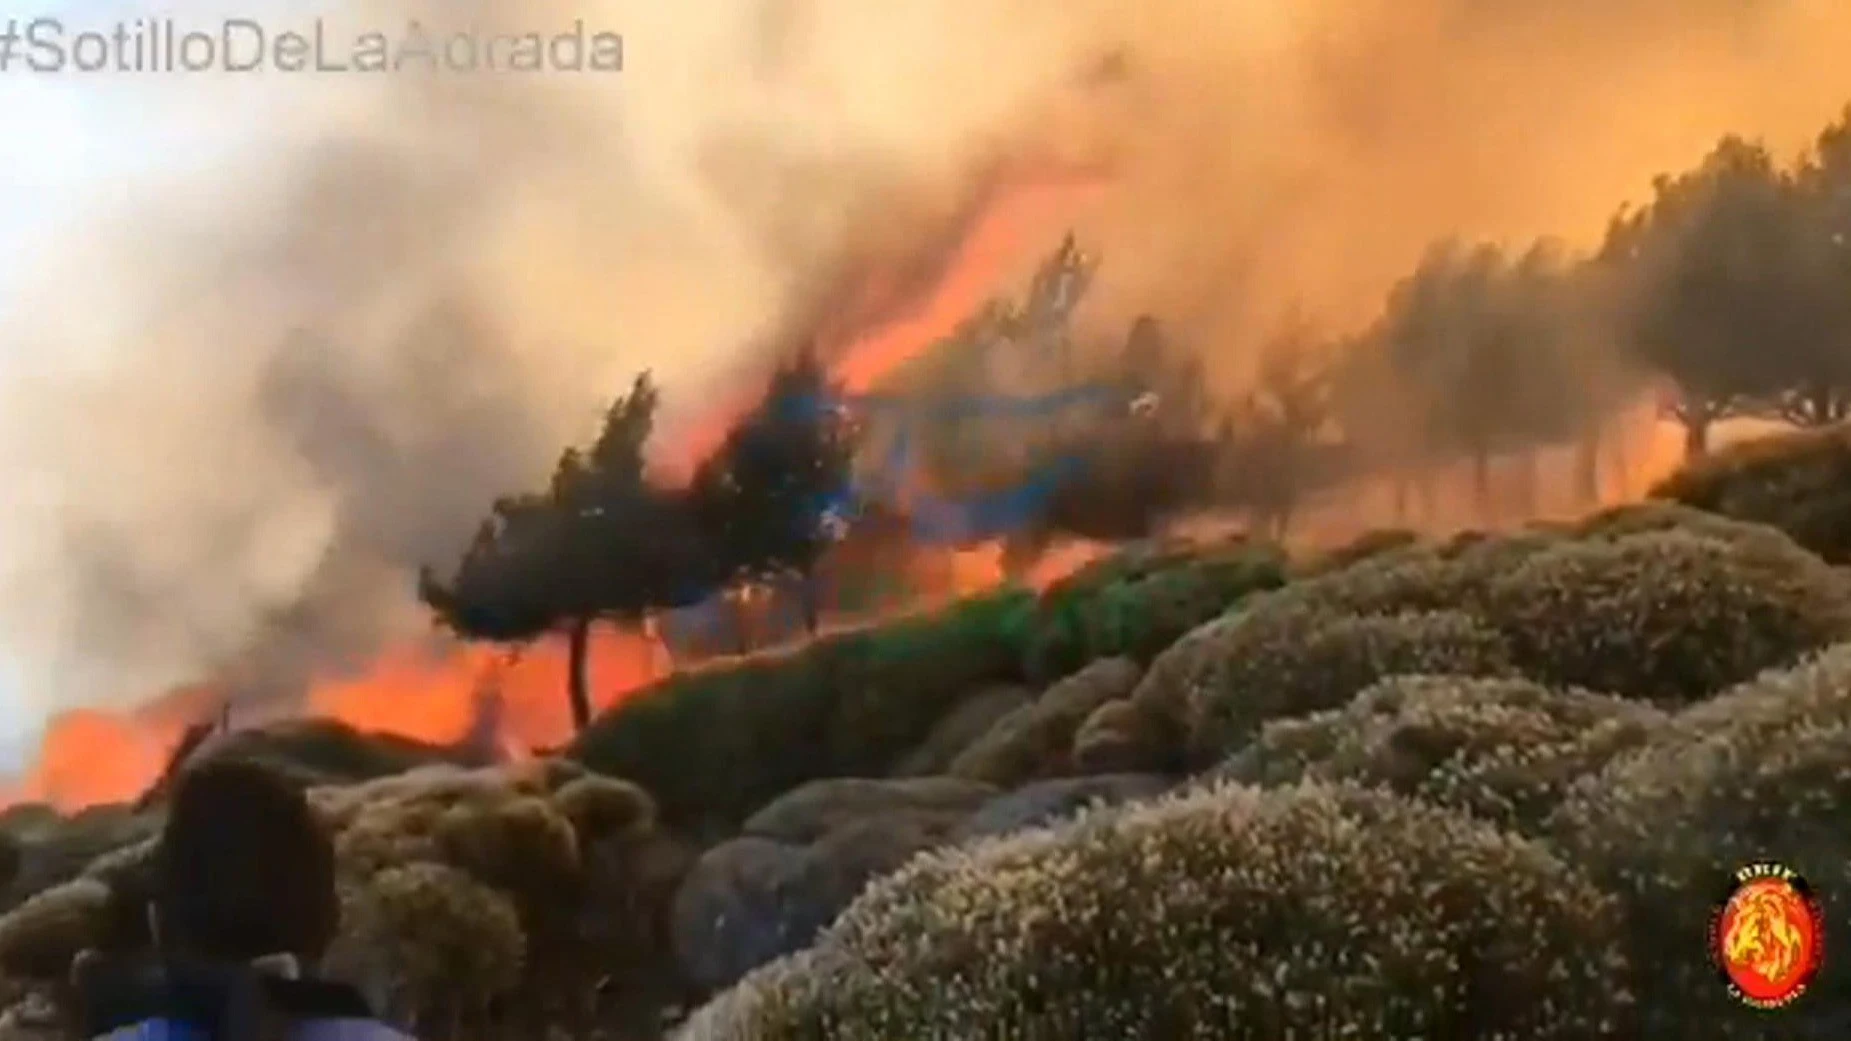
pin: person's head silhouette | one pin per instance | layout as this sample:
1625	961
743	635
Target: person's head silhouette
244	900
244	869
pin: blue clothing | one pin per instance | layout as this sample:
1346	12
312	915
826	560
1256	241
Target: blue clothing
307	1030
179	1003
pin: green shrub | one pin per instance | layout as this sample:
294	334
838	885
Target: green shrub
40	937
327	750
513	832
1370	545
1226	679
1758	773
58	851
1036	741
713	745
1450	577
1644	518
1504	750
1304	912
1128	736
1666	615
960	727
435	944
1798	482
1147	607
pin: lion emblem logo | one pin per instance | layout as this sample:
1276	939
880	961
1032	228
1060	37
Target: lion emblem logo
1768	936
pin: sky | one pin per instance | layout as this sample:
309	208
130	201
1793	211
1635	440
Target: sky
71	140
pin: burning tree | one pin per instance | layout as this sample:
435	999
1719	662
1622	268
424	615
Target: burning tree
770	498
600	543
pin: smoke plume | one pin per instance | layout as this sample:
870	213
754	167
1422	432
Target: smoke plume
251	401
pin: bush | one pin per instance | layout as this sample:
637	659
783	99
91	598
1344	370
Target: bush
960	727
321	751
515	833
1504	750
1452	576
1645	518
1147	605
1036	741
58	851
39	938
1369	546
848	704
1226	679
1128	736
1798	482
433	943
600	808
1667	615
1303	912
1758	773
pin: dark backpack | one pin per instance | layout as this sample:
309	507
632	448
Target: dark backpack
200	1001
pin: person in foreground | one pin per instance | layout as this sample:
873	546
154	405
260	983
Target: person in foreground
244	898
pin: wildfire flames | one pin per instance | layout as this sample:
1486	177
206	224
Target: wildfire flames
434	690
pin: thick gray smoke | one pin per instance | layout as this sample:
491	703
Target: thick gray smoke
251	401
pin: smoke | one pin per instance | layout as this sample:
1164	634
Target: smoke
1277	154
247	402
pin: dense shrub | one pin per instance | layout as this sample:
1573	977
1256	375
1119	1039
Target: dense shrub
811	811
1757	773
1128	736
56	852
715	744
1149	602
1666	614
432	945
1369	546
1304	912
1643	518
315	752
1226	679
968	720
1503	750
1036	740
39	938
1798	482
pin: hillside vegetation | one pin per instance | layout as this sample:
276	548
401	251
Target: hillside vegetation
1485	787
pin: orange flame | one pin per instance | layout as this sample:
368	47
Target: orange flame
434	691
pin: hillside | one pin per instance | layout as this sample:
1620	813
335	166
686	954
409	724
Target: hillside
1485	787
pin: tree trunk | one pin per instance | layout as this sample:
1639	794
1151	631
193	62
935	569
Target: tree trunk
1481	483
742	624
808	597
1528	480
1587	467
578	689
1827	406
1696	435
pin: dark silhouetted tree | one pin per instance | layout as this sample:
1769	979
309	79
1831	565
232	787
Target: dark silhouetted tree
769	497
1710	301
600	543
1815	366
1279	431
